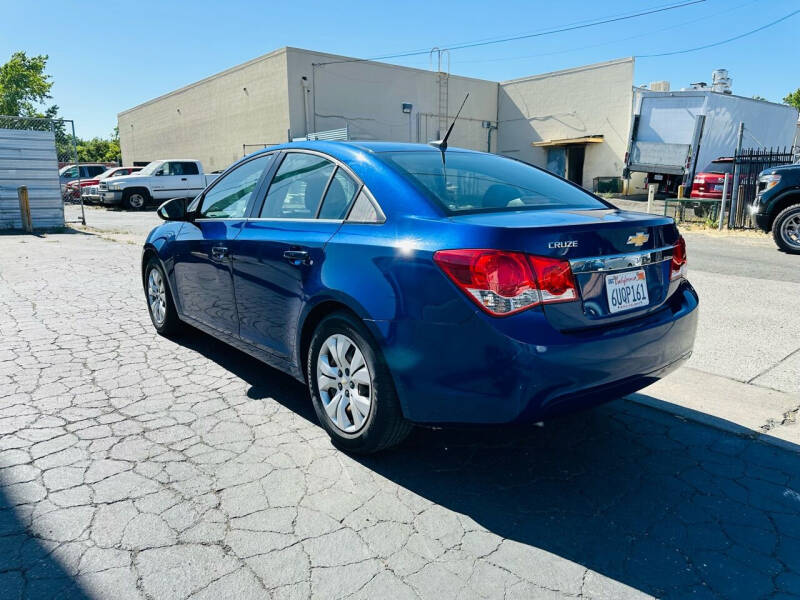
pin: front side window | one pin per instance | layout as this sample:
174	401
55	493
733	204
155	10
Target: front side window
172	168
471	182
229	196
296	189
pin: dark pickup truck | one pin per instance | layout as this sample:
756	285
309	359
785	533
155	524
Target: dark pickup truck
777	205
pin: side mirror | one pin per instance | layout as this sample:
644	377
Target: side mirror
173	210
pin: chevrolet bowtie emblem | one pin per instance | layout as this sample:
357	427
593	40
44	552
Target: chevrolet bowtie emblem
639	239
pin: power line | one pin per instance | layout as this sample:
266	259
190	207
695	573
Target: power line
734	38
581	25
574	27
609	42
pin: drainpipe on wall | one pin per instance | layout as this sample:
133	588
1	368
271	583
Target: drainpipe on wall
490	127
304	87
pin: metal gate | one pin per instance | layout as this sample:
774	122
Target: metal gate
32	154
747	165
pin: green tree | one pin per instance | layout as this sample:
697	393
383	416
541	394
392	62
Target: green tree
24	86
793	99
99	149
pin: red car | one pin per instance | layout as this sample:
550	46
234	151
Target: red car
708	183
72	187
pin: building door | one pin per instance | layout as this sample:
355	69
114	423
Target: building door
557	160
575	156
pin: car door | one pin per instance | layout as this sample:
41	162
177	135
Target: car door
168	181
278	256
202	271
192	180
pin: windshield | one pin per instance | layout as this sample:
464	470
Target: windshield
105	174
151	167
473	182
719	167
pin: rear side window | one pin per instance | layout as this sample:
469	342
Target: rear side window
189	168
471	182
340	194
365	211
297	187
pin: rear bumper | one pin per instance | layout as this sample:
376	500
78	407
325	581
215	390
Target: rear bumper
707	195
476	372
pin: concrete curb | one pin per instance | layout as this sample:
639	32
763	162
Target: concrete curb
688	414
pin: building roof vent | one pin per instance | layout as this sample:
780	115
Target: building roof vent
720	81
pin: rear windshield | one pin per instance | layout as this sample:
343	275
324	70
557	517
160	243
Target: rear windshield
719	167
486	182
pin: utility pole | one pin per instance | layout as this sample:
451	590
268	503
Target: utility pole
736	172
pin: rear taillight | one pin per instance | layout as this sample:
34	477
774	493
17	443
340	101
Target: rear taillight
677	267
503	282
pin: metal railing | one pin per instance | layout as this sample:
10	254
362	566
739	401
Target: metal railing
747	165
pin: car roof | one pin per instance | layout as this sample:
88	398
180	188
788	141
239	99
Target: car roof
344	149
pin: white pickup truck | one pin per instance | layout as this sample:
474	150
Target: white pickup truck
160	180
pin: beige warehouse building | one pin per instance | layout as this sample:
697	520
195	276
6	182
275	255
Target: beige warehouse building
574	122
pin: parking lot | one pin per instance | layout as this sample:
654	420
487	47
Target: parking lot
134	466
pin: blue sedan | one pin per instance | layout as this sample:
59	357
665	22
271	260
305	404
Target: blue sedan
405	284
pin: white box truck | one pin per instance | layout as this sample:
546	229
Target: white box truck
674	134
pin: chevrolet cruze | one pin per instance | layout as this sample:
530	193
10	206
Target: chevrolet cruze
408	284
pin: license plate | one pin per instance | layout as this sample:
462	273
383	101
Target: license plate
717	188
626	290
658	177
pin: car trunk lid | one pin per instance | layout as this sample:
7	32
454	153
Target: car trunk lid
625	253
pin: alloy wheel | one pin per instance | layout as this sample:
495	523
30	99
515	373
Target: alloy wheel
157	296
136	200
345	383
790	230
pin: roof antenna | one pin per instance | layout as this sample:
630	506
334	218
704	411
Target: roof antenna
442	144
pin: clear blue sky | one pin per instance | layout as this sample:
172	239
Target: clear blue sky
107	57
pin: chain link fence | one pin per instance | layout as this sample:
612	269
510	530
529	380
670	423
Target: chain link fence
31	160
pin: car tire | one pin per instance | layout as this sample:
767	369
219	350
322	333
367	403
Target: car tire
135	199
383	426
159	299
786	229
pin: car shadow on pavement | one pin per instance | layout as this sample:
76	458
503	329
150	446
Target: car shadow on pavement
264	381
656	502
28	568
660	504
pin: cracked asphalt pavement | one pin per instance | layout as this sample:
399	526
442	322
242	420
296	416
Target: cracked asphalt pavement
134	466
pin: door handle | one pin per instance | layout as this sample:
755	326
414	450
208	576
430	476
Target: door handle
219	253
297	257
183	178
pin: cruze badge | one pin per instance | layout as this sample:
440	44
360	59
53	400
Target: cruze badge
563	244
639	239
